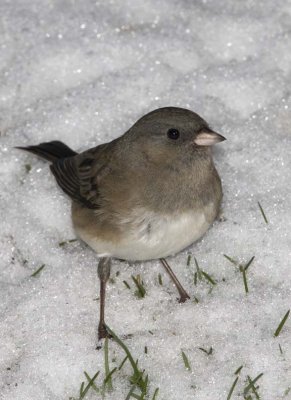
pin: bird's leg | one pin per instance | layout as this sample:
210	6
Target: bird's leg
182	292
103	274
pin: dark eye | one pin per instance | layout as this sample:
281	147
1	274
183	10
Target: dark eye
173	134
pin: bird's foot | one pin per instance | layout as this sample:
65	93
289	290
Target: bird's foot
103	333
183	297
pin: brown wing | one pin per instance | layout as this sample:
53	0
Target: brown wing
79	176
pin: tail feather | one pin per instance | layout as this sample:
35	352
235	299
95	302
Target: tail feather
50	151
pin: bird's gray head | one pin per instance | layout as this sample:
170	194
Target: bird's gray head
175	127
172	131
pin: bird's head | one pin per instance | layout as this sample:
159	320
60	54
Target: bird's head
171	132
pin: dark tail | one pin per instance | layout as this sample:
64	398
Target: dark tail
51	151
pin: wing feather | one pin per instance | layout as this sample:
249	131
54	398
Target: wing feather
76	181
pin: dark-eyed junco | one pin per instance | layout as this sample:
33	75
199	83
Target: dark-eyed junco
146	195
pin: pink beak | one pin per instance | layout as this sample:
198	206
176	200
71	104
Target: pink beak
207	137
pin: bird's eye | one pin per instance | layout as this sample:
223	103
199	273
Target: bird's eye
173	134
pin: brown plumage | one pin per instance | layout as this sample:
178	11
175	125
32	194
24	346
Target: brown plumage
147	194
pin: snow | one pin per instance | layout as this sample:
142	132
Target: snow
83	72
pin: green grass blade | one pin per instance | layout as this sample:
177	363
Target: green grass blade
126	284
122	363
27	168
107	368
186	361
249	262
155	394
61	244
230	259
232	388
130	393
38	271
282	323
251	384
82	388
137	373
208	277
141	292
108	377
198	269
238	370
84	392
136	396
189	260
245	280
208	352
195	278
263	213
93	384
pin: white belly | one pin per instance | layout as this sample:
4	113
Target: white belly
148	235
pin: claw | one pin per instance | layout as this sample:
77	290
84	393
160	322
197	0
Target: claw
103	333
183	298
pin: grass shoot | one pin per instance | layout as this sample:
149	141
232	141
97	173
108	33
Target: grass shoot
186	361
232	388
84	389
238	370
208	352
201	275
189	260
242	268
38	271
263	213
93	386
140	289
107	380
282	323
65	242
251	386
126	284
138	379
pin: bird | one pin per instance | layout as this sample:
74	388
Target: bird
146	195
